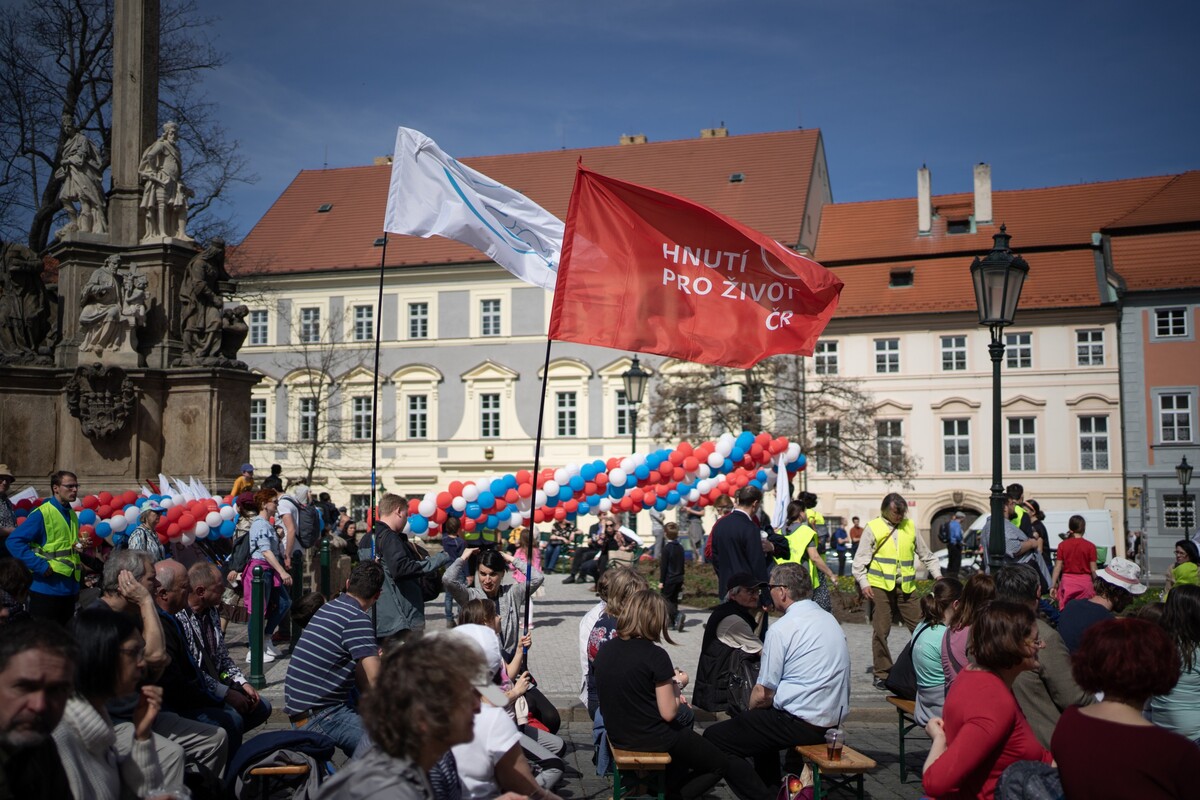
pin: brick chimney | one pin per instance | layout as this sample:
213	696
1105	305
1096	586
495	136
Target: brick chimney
924	201
983	194
634	138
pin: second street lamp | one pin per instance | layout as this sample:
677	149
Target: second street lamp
635	379
998	279
1183	473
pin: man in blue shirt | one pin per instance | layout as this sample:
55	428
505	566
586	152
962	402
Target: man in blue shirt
955	545
45	544
803	688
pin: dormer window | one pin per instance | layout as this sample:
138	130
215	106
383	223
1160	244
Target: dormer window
325	208
900	278
737	177
957	226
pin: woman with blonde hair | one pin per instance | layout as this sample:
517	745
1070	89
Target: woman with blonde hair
640	698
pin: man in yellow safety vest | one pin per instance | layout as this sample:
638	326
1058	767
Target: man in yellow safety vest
45	544
885	570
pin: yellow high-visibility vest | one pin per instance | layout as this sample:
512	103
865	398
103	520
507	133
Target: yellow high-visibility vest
896	555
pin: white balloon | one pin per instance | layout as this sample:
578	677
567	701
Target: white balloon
227	513
618	477
131	514
560	477
502	525
187	539
458	503
166	502
551	488
427	507
572	470
793	452
202	529
725	444
638	460
627	465
705	471
539	499
470	492
213	519
715	460
118	523
605	504
693	495
431	497
514	519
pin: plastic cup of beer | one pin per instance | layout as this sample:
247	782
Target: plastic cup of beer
834	739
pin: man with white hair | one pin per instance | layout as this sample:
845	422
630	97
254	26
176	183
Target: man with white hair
733	633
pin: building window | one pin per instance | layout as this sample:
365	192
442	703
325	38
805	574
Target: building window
826	446
1179	512
624	414
889	439
954	353
1022	443
956	445
1018	350
362	418
308	418
418	320
564	411
258	419
258	327
689	420
360	505
1170	323
364	323
489	317
489	415
1089	348
310	325
1093	443
825	358
418	416
887	355
1174	418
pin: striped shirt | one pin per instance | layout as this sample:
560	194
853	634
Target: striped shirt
321	672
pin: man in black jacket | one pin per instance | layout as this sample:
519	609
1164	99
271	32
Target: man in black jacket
404	566
738	544
733	633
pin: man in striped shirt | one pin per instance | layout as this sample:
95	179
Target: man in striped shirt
336	652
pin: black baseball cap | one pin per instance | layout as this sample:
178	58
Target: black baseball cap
744	580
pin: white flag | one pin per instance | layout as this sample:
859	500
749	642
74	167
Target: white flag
433	194
781	496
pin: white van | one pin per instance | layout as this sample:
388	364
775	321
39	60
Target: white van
1099	531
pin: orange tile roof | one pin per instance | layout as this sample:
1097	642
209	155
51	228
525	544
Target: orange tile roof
1175	203
1057	279
293	237
1055	216
1158	260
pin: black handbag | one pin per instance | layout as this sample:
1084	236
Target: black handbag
902	679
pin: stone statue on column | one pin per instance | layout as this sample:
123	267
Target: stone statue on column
164	194
81	170
27	313
112	308
211	333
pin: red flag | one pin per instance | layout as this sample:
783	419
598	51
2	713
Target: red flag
651	272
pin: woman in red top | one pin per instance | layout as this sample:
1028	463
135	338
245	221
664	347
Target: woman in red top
1129	660
1076	565
983	730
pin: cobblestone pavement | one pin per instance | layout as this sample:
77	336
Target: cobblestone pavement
554	660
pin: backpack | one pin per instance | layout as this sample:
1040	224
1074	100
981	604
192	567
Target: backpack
430	582
743	674
239	557
902	679
308	523
944	533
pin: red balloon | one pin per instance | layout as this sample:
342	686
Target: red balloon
174	513
105	498
676	458
601	481
524	476
186	522
511	496
626	503
468	524
439	516
662	490
612	464
91	501
589	488
444	499
637	495
762	438
104	512
173	531
572	506
539	516
25	504
685	449
161	527
678	474
525	489
129	498
163	538
87	529
414	506
560	513
455	488
690	464
756	449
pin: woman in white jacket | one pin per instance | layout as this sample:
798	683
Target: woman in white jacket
111	663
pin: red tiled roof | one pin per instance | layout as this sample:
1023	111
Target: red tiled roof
1057	279
1055	216
1158	260
293	237
1175	203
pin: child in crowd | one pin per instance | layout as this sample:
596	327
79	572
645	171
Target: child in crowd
670	574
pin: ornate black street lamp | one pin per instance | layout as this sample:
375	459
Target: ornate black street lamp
635	391
1184	473
998	278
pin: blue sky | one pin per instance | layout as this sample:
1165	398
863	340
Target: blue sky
1046	92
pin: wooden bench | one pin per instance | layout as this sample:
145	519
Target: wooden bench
905	710
846	772
284	770
637	764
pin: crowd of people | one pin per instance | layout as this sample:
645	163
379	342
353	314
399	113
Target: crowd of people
128	689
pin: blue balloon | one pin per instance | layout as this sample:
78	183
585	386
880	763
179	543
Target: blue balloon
587	472
616	492
418	524
756	484
473	510
141	501
492	522
87	517
551	500
653	460
498	487
762	475
486	500
565	494
452	512
576	483
103	529
642	472
672	498
510	482
745	439
737	454
227	528
660	504
801	460
727	466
